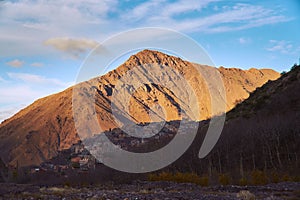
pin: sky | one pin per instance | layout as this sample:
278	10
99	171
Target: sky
44	43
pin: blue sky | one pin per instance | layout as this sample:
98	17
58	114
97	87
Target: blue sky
43	43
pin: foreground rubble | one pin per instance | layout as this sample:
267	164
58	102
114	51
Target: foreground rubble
152	190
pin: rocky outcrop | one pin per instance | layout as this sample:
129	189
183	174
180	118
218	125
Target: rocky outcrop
39	131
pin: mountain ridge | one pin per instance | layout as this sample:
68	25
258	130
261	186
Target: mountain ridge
47	126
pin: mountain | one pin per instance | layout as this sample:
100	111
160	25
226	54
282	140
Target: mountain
47	126
260	139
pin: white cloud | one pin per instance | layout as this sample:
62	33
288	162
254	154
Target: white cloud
37	64
2	79
184	6
216	8
25	89
17	40
163	8
55	15
17	93
243	40
238	18
7	112
36	79
74	47
26	24
281	46
15	63
15	97
142	10
158	11
232	18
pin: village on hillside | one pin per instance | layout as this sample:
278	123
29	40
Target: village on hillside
80	160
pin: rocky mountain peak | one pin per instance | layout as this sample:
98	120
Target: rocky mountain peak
47	126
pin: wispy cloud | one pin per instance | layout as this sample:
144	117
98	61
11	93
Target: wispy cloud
32	27
36	79
23	88
17	93
185	6
152	10
15	97
142	10
50	16
239	17
2	79
28	23
15	63
281	46
230	18
244	40
6	112
74	47
37	64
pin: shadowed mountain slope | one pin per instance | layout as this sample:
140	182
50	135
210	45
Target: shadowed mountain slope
39	131
261	133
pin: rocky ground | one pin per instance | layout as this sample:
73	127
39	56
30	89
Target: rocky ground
153	190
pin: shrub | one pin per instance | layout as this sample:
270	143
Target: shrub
286	178
163	176
84	184
259	177
194	178
179	178
67	184
294	67
152	177
204	181
283	73
186	178
224	179
243	181
275	177
296	178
